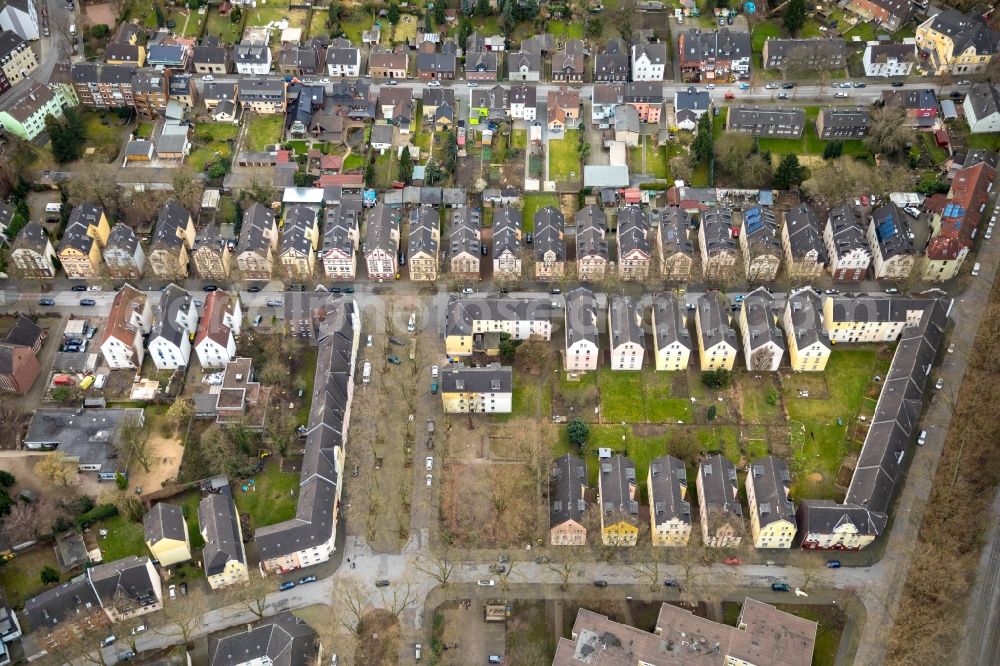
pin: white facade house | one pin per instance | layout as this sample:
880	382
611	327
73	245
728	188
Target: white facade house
131	317
649	62
628	345
252	58
215	341
889	59
982	108
582	350
175	323
523	100
21	18
343	59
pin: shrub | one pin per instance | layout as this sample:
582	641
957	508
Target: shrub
101	512
49	575
7	479
716	379
578	432
772	396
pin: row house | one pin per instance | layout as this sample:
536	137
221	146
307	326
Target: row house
102	86
889	14
760	245
847	249
343	59
982	108
952	227
612	64
719	55
956	43
582	350
381	242
626	334
808	346
646	98
258	243
212	254
719	503
563	109
31	253
920	106
85	235
173	56
591	244
464	241
718	248
802	243
763	343
891	242
889	59
669	505
761	121
716	338
524	66
507	251
215	340
482	390
627	125
307	59
772	514
252	58
123	254
341	235
568	64
674	244
605	99
173	238
299	242
424	243
211	57
567	502
175	321
635	248
550	244
671	339
649	61
263	95
843	123
131	318
384	63
825	55
523	102
472	319
437	66
618	497
489	105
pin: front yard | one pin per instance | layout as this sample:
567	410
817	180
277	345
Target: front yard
264	131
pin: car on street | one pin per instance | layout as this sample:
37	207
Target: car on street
555	291
600	583
922	438
257	320
287	585
975	273
370	341
307	579
110	640
831	291
787	86
335	290
138	630
782	95
468	290
429	480
897	84
382	583
771	86
434	371
841	94
429	463
394	360
670	582
473	84
253	290
46	301
78	287
833	564
183	587
710	86
781	587
434	84
859	84
348	290
88	302
891	290
127	655
210	288
486	582
939	384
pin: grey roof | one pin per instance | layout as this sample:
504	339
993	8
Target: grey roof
614	66
723	44
60	604
305	57
805	236
173	300
453	196
252	52
462	312
966	31
608	93
87	435
718	485
856	117
674	223
581	316
424	221
495	99
892	230
619	487
771	488
481	61
164	521
643	92
692	99
567	484
911	99
32	237
758	306
633	231
625	322
984	99
464	225
518	59
757	120
823	516
281	640
165	54
299	219
25	332
261	89
120	51
6	215
173	139
591	232
715	326
506	230
541	43
258	222
122	238
717	223
549	227
656	52
439	63
882	52
382	134
438	96
210	52
220	527
807	319
848	229
570	59
313	523
171	221
340	228
669	321
380	223
827	47
219	91
761	229
666	490
492	378
627	119
342	52
870	309
127	578
80	220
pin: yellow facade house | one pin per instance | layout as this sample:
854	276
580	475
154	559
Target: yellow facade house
772	514
618	498
716	338
173	238
669	509
166	534
808	346
86	234
224	559
955	43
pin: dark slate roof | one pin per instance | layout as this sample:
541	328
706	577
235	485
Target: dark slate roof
911	99
674	223
856	117
643	92
463	231
127	578
340	228
549	227
25	332
633	231
823	516
220	527
666	490
826	47
715	326
463	311
966	31
61	604
493	378
656	52
532	62
506	230
892	230
591	232
717	223
567	484
718	485
807	319
984	99
669	321
439	63
870	309
804	233
848	229
581	316
82	218
761	327
625	322
771	483
252	52
619	487
170	221
282	640
295	236
164	521
173	300
882	53
258	220
721	44
32	237
123	238
380	222
692	99
608	93
210	52
424	221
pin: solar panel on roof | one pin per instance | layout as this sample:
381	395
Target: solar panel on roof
753	220
887	228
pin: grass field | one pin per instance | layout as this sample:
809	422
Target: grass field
405	29
209	140
317	25
222	27
566	30
640	397
306	375
274	498
810	143
866	31
532	203
21	577
124	539
762	32
264	131
657	160
564	161
106	139
352	26
354	162
519	139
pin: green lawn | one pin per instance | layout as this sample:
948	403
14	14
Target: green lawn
317	25
103	132
222	27
937	153
352	26
656	159
564	161
756	408
762	32
307	377
264	131
273	499
811	30
210	140
987	141
532	203
519	139
566	29
20	578
641	450
144	130
640	397
810	143
124	539
700	177
188	22
385	171
354	162
865	30
189	505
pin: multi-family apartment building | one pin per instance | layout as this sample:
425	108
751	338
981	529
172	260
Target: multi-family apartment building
550	244
763	343
123	255
618	499
808	345
718	247
719	503
671	339
674	244
764	121
582	334
175	321
847	249
131	318
31	253
220	324
483	390
591	244
760	245
173	238
891	242
381	242
635	246
507	243
625	333
802	243
258	243
828	54
223	557
299	241
716	338
669	508
567	504
475	323
772	514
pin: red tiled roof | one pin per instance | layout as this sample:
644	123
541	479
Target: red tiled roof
343	180
212	324
331	162
961	213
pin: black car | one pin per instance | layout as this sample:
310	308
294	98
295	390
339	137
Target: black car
897	84
395	341
382	583
528	239
253	290
954	94
348	290
78	287
335	290
46	301
787	86
183	587
600	583
483	250
210	287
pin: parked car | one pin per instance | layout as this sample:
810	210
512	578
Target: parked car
922	438
841	94
939	384
434	84
831	291
78	287
833	564
434	371
127	655
348	290
370	341
382	583
109	640
429	463
335	290
733	560
209	288
897	84
787	86
782	96
287	585
891	290
254	289
951	348
307	579
600	583
429	480
771	86
394	360
183	587
781	587
486	582
87	302
670	582
46	301
468	290
138	630
396	341
172	590
859	84
257	320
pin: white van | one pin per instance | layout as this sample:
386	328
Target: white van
411	325
100	380
72	28
975	269
366	373
922	439
53	207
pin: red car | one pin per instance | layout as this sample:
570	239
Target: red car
730	95
733	560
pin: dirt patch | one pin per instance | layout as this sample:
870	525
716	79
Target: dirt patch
378	637
101	14
490	506
815	477
166	454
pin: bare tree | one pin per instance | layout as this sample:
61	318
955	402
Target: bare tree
252	595
133	442
183	615
351	603
762	359
507	573
57	469
20	525
397	597
568	567
187	189
439	567
648	571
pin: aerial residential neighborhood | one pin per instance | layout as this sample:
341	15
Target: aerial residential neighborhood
519	333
